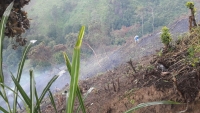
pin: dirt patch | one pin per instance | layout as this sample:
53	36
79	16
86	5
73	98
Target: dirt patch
120	89
171	75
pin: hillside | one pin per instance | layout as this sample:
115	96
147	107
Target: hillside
109	24
86	12
121	88
111	43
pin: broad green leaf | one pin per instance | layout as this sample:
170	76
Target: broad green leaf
52	101
142	105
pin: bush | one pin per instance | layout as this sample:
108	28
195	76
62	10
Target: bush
166	36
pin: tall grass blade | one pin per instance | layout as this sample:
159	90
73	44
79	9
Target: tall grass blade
19	73
22	92
1	94
68	64
139	106
2	29
37	101
80	100
32	89
75	72
45	91
11	90
52	101
89	91
3	110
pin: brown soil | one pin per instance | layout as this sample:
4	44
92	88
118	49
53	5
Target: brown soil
120	89
171	76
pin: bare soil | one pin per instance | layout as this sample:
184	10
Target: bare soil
169	76
120	89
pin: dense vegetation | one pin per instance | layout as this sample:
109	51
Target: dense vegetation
108	22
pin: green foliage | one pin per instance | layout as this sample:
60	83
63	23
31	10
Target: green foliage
160	53
4	19
101	18
192	59
190	5
58	57
69	15
29	102
74	73
166	36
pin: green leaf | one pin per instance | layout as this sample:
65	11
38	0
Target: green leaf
37	101
142	105
75	72
83	99
80	37
45	91
68	64
19	73
2	29
14	93
32	89
22	92
67	61
1	94
3	110
80	100
52	101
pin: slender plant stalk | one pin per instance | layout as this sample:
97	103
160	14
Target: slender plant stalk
3	110
68	64
45	90
2	29
52	101
142	105
32	89
37	101
19	73
22	92
5	86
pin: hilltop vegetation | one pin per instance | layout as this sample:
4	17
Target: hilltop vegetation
108	23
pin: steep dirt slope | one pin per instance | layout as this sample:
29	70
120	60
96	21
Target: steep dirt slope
121	88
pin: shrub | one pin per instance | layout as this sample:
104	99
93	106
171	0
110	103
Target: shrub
166	36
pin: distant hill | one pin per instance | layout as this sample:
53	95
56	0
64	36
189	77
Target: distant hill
107	14
109	25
